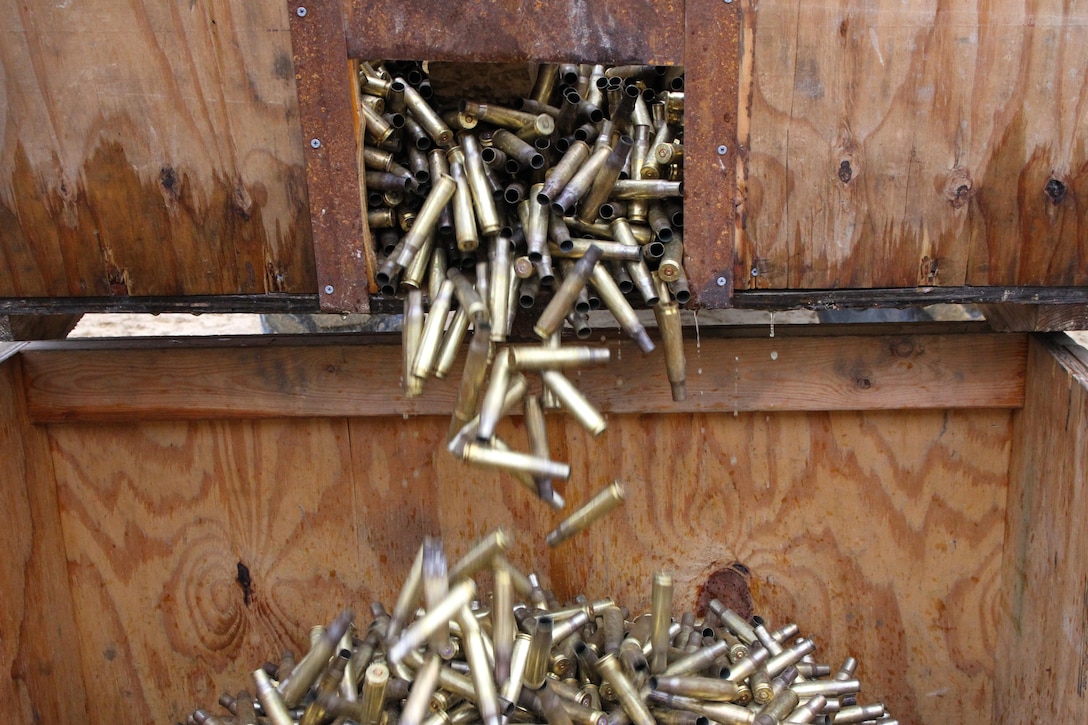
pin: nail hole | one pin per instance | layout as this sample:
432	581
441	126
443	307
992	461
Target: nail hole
1055	189
845	172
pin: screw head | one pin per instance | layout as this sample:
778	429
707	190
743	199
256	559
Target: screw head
721	281
315	143
755	271
328	289
723	150
301	12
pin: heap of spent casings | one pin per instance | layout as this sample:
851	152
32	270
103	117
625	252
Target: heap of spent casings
446	656
564	201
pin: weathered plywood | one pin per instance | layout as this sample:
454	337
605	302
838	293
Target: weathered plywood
157	520
879	533
899	144
72	382
1044	602
41	679
150	148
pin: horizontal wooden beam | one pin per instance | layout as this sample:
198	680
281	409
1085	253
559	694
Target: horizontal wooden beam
784	299
270	378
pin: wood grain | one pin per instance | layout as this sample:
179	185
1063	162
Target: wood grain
916	144
41	679
1036	318
96	382
150	148
1045	594
157	519
879	533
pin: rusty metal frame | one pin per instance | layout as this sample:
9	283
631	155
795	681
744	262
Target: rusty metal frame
323	44
329	130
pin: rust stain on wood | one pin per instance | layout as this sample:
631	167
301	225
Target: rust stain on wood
574	31
730	585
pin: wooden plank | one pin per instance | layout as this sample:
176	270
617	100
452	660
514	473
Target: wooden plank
41	327
178	171
901	144
568	31
865	298
42	677
878	532
1036	318
1045	593
157	520
108	382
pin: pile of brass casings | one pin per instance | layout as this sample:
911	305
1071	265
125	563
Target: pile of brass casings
447	655
565	203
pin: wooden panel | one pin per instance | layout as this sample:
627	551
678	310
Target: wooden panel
150	148
900	144
1036	318
1045	597
879	533
69	382
157	520
571	31
40	675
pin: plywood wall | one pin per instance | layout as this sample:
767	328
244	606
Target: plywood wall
896	144
150	148
1044	603
879	533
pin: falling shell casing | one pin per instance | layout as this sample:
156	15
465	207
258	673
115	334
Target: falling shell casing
487	699
271	700
502	621
472	378
672	340
411	336
551	319
621	309
573	401
451	343
374	684
435	588
536	662
432	331
491	408
310	667
515	461
609	498
419	696
420	631
534	357
481	555
661	618
537	432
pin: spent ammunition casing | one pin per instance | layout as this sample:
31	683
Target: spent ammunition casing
381	218
551	704
775	711
807	711
384	181
827	688
660	223
420	631
518	149
419	696
640	273
579	321
537	130
665	716
613	251
762	690
271	700
411	336
516	192
813	670
506	117
515	391
621	309
720	712
621	112
547	74
492	405
518	660
451	343
325	692
672	339
643	235
698	660
609	498
473	377
468	155
440	195
481	555
372	85
435	588
433	328
702	688
561	174
431	122
417	270
789	656
499	287
502	618
373	697
487	699
859	713
580	183
533	357
670	266
415	134
742	669
523	268
605	179
537	433
467	296
646	189
733	621
551	319
661	618
379	129
651	168
574	402
629	697
310	667
558	233
536	663
464	216
847	670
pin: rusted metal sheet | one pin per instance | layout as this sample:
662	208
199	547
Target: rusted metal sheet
711	159
605	31
325	93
